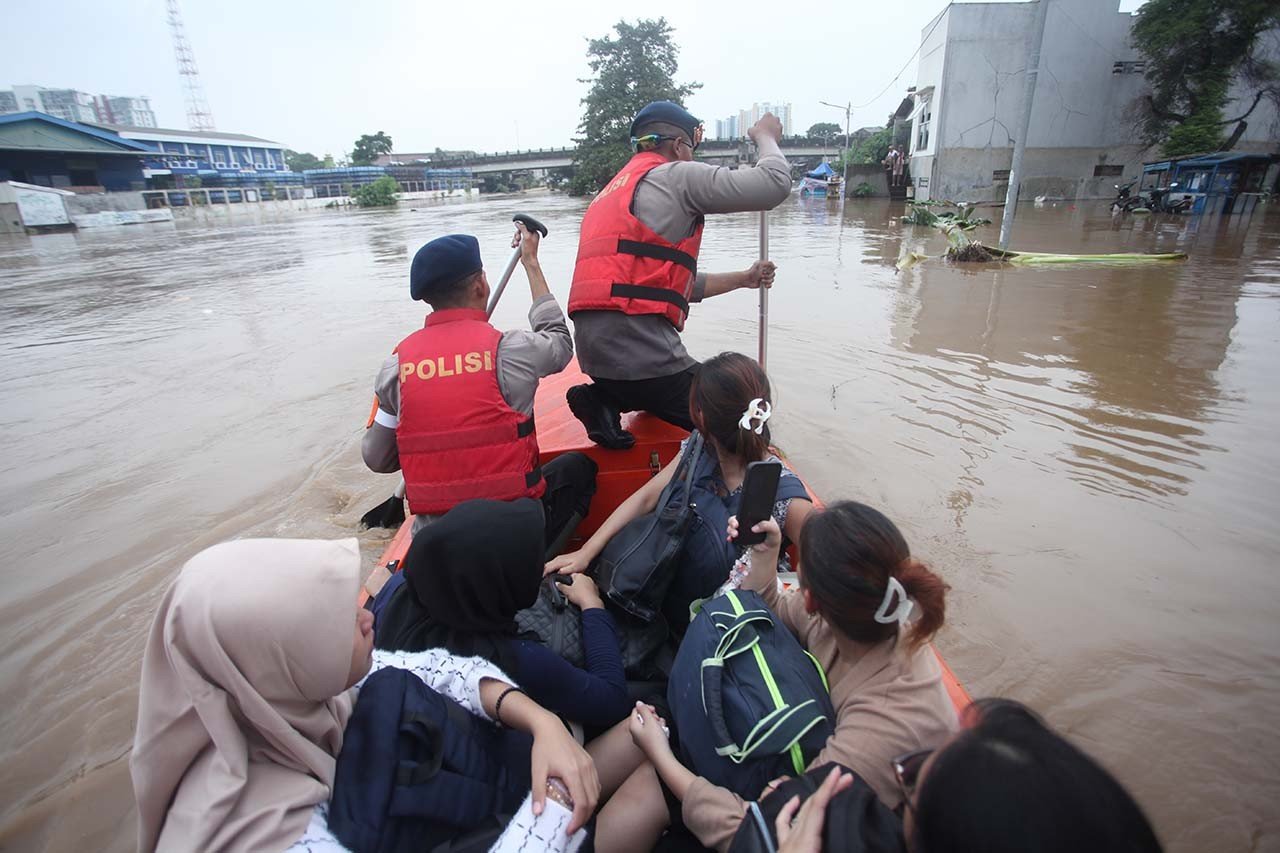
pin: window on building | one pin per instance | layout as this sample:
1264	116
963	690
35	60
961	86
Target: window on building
1108	170
83	177
1000	175
923	123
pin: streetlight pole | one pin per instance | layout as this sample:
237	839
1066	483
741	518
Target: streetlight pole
848	145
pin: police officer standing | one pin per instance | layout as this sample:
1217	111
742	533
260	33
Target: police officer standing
455	400
637	267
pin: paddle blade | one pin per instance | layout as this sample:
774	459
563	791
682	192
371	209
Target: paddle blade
389	513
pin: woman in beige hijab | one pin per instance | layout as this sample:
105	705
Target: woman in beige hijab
248	681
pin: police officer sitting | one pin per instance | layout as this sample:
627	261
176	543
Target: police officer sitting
455	400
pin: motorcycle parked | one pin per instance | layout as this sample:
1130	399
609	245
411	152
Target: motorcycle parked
1124	202
1160	199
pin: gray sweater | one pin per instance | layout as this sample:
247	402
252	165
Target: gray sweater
670	198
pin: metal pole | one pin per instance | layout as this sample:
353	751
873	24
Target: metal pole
502	282
1020	143
764	291
848	149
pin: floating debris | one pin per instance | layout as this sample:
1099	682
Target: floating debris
972	252
1055	258
943	213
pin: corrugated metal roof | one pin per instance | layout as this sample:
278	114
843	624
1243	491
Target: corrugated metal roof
33	131
187	134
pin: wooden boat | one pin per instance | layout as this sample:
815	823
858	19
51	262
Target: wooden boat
621	472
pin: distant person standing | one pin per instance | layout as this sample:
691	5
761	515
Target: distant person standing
893	162
637	268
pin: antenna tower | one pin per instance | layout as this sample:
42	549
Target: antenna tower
199	116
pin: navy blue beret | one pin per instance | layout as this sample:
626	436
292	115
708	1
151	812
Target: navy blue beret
443	262
667	113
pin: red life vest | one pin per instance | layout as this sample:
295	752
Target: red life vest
623	265
458	439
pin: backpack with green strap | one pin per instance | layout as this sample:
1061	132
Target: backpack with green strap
748	702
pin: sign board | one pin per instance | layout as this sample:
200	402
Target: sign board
41	207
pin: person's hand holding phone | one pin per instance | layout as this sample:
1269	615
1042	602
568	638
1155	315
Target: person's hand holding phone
769	528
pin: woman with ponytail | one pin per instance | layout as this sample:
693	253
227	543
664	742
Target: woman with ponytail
730	404
866	610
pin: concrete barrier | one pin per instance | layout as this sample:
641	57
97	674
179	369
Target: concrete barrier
122	217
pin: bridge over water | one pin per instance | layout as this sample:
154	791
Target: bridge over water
799	151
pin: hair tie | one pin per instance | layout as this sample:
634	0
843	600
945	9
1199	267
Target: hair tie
757	410
902	611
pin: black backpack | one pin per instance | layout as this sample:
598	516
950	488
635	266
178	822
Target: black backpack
637	567
557	623
417	771
748	702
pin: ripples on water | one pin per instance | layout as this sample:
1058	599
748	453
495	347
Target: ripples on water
1087	453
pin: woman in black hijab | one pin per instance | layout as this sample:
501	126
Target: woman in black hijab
467	574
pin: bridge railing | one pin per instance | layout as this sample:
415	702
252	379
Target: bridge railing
533	154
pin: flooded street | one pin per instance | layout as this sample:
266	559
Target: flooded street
1088	454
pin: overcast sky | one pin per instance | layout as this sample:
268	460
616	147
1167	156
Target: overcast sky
488	76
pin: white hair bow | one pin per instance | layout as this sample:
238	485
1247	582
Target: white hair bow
758	410
902	611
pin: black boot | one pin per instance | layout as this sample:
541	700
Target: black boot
603	423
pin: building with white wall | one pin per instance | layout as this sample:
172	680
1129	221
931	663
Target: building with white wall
74	105
736	126
124	111
969	94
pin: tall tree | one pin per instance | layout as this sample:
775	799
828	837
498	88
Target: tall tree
300	161
1195	50
627	71
368	147
824	129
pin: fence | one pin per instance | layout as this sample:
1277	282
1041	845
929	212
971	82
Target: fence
154	199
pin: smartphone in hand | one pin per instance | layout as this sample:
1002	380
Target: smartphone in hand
758	490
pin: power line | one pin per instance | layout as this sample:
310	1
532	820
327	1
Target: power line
907	64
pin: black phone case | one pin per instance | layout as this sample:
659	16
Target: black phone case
758	489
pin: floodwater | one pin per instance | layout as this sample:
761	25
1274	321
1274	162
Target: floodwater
1088	454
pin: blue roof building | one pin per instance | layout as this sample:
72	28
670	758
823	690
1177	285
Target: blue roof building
40	149
218	159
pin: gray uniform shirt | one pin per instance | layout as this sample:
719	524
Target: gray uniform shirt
669	199
524	357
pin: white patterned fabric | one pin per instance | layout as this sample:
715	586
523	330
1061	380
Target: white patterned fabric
529	834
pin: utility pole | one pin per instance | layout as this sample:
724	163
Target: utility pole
848	145
1020	143
199	116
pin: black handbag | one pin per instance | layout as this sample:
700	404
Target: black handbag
638	565
856	820
557	622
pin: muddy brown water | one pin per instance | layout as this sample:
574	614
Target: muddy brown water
1089	454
